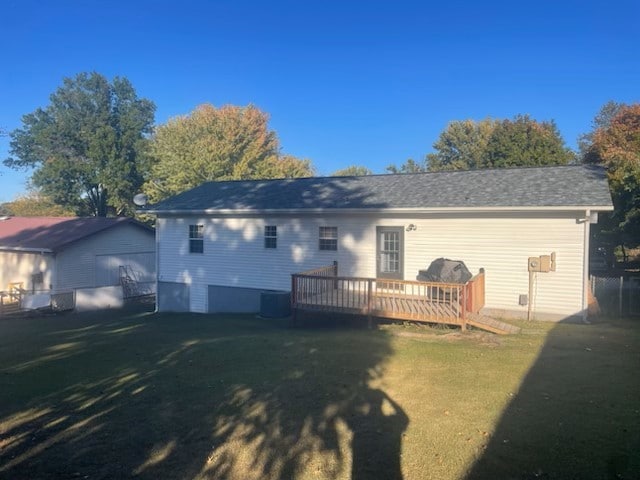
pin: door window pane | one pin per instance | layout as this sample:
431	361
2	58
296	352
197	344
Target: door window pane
390	253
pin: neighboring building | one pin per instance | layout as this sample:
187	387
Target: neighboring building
222	243
59	254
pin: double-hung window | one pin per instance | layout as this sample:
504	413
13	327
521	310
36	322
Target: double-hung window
328	238
270	236
196	238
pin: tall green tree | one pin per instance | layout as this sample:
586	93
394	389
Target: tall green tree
524	141
462	145
616	146
87	147
410	166
226	143
352	171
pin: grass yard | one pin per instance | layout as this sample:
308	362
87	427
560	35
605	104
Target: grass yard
119	395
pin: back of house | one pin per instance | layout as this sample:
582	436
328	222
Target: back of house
223	243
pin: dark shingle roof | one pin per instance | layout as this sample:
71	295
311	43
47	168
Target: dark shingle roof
53	233
564	186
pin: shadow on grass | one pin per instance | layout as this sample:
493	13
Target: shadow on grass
577	412
115	395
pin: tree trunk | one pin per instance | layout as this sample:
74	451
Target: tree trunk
97	198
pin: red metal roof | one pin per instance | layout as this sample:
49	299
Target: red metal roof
53	233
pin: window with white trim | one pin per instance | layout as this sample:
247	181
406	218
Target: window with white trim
270	236
328	238
196	238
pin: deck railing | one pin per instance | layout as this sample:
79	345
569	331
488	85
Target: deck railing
11	300
323	290
475	293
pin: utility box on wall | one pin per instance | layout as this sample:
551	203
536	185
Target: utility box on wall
534	264
543	263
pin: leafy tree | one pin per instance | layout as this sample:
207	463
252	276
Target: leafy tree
352	171
524	141
88	145
286	166
226	143
34	204
462	145
602	120
489	143
616	146
410	166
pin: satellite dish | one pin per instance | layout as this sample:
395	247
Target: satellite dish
140	199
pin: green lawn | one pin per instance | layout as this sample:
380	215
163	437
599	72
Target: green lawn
119	395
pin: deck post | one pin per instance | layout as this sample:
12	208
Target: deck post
463	325
294	311
369	301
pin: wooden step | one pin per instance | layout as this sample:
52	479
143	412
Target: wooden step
491	324
9	308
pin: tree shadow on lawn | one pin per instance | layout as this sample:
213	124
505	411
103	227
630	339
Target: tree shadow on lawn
190	396
577	412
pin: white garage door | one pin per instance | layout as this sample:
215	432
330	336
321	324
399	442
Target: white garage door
143	266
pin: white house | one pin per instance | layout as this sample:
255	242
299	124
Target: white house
61	254
219	245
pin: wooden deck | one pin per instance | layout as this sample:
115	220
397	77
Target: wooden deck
450	303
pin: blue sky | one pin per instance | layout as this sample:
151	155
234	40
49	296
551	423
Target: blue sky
368	83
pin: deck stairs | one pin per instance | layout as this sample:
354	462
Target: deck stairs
10	308
490	324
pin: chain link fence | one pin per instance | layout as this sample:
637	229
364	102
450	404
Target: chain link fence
617	295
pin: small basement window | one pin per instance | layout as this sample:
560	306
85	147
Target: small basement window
270	236
196	238
328	238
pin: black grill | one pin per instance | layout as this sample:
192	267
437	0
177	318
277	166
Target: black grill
445	271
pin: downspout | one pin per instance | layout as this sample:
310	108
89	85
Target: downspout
585	267
157	236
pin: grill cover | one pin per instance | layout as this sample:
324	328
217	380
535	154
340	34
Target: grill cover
446	271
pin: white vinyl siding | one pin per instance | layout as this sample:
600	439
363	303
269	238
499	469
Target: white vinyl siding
500	243
84	263
21	266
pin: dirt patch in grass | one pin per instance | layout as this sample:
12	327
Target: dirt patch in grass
476	337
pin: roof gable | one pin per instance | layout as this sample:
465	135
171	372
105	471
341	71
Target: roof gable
54	233
563	186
